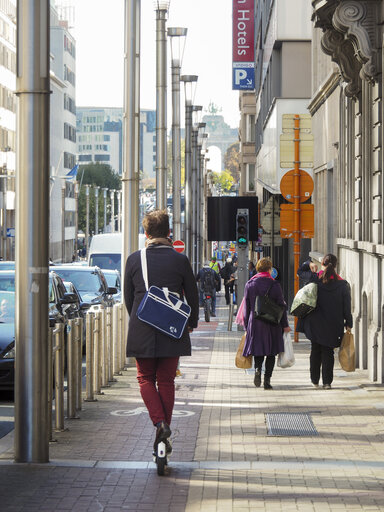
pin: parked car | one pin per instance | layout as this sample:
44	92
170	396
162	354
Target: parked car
61	307
113	280
7	265
90	283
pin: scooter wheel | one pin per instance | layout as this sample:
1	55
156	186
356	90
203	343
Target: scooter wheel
161	462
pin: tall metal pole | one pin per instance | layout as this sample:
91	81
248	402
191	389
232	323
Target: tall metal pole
112	196
63	223
296	211
161	108
32	226
130	178
194	199
188	178
105	209
87	218
76	186
175	34
119	211
97	210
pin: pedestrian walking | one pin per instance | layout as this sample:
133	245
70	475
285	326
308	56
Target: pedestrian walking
324	326
251	269
263	340
209	281
227	273
157	354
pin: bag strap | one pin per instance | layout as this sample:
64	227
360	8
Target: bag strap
269	289
144	266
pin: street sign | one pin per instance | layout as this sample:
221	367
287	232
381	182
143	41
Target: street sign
243	76
270	214
10	232
307	223
287	185
179	245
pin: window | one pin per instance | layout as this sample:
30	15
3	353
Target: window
250	128
69	104
85	158
102	158
69	219
251	178
69	160
69	132
69	75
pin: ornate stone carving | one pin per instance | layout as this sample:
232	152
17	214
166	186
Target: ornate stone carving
358	22
351	38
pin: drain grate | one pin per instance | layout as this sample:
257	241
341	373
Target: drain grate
290	424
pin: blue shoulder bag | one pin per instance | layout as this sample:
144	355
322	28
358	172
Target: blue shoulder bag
162	309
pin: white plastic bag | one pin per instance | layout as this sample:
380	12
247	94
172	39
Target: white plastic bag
287	358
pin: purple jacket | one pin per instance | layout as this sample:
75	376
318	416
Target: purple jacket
263	339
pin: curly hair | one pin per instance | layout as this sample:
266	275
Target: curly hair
156	224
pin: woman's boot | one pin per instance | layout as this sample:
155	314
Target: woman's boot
257	379
267	383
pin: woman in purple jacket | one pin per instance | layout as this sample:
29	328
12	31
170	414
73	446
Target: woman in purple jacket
263	340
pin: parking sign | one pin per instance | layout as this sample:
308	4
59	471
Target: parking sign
243	76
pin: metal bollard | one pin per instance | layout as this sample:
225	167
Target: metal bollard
89	358
79	361
104	350
123	323
109	332
97	353
230	318
71	369
116	352
58	351
51	333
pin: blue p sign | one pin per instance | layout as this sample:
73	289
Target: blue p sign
243	76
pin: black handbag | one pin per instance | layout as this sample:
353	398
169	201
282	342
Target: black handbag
267	310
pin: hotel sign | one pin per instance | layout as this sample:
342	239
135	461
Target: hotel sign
243	45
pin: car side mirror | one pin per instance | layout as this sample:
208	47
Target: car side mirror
85	305
69	298
111	290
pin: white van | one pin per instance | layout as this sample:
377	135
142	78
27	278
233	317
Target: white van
105	250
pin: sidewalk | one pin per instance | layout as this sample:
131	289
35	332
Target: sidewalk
223	457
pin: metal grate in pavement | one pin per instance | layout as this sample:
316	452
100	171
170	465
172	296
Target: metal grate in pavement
290	424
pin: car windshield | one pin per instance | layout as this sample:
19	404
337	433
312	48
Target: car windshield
108	261
7	265
7	307
7	282
112	280
83	280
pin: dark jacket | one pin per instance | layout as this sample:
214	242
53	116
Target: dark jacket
326	324
263	339
209	280
227	271
166	268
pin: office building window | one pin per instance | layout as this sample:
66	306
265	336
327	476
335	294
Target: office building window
85	158
69	219
69	103
251	177
69	160
69	75
250	128
69	132
102	158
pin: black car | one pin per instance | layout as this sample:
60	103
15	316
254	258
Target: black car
113	279
62	306
90	283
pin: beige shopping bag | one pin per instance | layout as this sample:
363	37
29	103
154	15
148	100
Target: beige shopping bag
241	361
347	353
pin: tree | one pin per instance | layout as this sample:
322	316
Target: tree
232	161
100	175
224	180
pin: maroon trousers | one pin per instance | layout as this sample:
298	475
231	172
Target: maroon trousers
159	399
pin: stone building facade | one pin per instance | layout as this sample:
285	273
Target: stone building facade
347	113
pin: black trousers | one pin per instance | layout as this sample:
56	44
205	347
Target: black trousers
228	290
321	357
269	364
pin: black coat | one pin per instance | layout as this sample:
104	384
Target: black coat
326	324
166	268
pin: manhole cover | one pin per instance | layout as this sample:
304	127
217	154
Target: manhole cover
290	424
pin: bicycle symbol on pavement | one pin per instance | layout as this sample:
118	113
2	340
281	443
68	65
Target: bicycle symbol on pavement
139	410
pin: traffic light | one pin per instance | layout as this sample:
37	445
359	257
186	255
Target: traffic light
242	227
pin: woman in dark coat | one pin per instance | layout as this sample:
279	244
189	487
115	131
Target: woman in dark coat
324	327
263	339
157	354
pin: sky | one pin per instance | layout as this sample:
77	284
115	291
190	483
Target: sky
99	33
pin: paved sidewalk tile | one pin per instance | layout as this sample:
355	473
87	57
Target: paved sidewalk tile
223	459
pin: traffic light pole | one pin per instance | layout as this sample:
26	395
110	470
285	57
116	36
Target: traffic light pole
296	212
242	238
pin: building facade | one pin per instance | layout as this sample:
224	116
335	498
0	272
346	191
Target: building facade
282	87
62	140
7	125
347	113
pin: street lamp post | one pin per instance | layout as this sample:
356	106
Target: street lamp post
112	196
177	38
119	211
105	209
161	7
87	218
63	223
190	82
96	210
